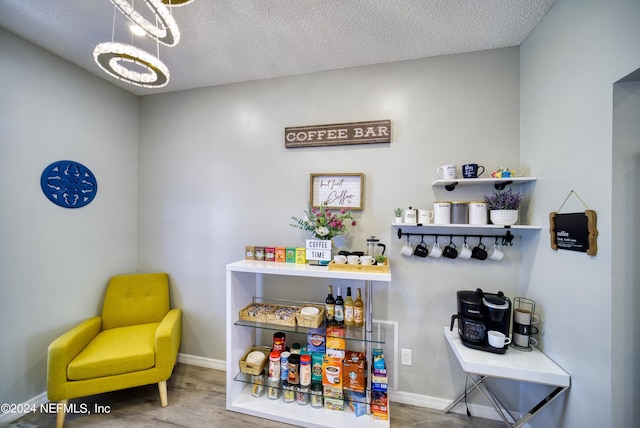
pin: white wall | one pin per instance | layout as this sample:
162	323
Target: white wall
568	67
215	176
55	262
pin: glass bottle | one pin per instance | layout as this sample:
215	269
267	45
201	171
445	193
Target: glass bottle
358	310
348	309
330	307
339	308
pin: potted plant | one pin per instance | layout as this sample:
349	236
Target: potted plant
397	212
503	206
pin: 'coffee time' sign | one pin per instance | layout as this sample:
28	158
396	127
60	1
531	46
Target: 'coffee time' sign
318	249
338	134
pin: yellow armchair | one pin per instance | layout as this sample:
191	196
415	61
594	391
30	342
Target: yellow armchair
133	343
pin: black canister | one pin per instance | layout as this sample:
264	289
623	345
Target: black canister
294	369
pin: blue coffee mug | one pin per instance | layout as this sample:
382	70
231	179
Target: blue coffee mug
472	170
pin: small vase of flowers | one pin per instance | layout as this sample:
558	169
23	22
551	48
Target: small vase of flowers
503	207
325	224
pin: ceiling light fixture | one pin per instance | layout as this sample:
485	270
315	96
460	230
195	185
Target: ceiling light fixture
110	55
166	33
137	30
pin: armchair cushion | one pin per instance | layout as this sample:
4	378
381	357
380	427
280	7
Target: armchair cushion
116	351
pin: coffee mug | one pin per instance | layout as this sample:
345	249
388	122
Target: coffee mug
465	252
407	249
525	329
367	260
450	251
340	259
435	251
447	172
496	253
472	170
425	216
442	212
523	340
524	317
497	339
353	260
479	252
421	250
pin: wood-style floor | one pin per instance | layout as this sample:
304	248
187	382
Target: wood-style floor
197	399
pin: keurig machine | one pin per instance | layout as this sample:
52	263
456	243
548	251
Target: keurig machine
478	313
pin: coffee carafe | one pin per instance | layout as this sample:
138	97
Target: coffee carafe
374	247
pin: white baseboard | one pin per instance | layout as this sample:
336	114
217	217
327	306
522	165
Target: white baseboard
409	398
27	406
208	363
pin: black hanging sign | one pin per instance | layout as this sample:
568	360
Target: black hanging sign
574	231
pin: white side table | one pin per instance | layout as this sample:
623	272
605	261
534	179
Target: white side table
532	367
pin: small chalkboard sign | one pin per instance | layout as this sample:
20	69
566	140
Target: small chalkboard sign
574	232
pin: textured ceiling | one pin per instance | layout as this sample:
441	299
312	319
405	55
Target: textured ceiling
226	41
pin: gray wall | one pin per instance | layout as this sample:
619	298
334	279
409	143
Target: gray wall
55	262
568	69
215	176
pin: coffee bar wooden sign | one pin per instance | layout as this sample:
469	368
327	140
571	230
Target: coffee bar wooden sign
338	134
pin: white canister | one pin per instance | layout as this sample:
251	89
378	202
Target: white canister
442	212
425	216
477	212
411	216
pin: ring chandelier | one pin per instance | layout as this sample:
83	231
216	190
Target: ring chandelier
116	58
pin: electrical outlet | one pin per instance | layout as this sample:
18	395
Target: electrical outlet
406	357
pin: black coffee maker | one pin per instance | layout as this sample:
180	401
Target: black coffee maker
479	312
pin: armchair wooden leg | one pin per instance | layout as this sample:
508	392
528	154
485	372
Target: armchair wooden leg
60	412
162	387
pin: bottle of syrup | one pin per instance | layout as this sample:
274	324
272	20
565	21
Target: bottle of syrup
329	307
339	309
358	310
348	309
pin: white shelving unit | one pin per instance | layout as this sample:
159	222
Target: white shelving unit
451	185
245	280
479	181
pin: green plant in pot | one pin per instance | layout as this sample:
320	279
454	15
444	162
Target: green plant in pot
397	213
503	206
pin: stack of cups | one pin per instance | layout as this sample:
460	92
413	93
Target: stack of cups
523	319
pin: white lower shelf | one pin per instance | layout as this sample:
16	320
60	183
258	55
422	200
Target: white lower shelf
296	414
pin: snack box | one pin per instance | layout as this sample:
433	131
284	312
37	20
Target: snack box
333	403
249	252
331	392
335	338
281	255
332	372
353	371
379	386
316	339
379	402
377	416
378	359
334	353
357	401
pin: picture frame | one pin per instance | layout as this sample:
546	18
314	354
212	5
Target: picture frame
339	190
574	232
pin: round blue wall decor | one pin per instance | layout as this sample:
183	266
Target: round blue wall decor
69	184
